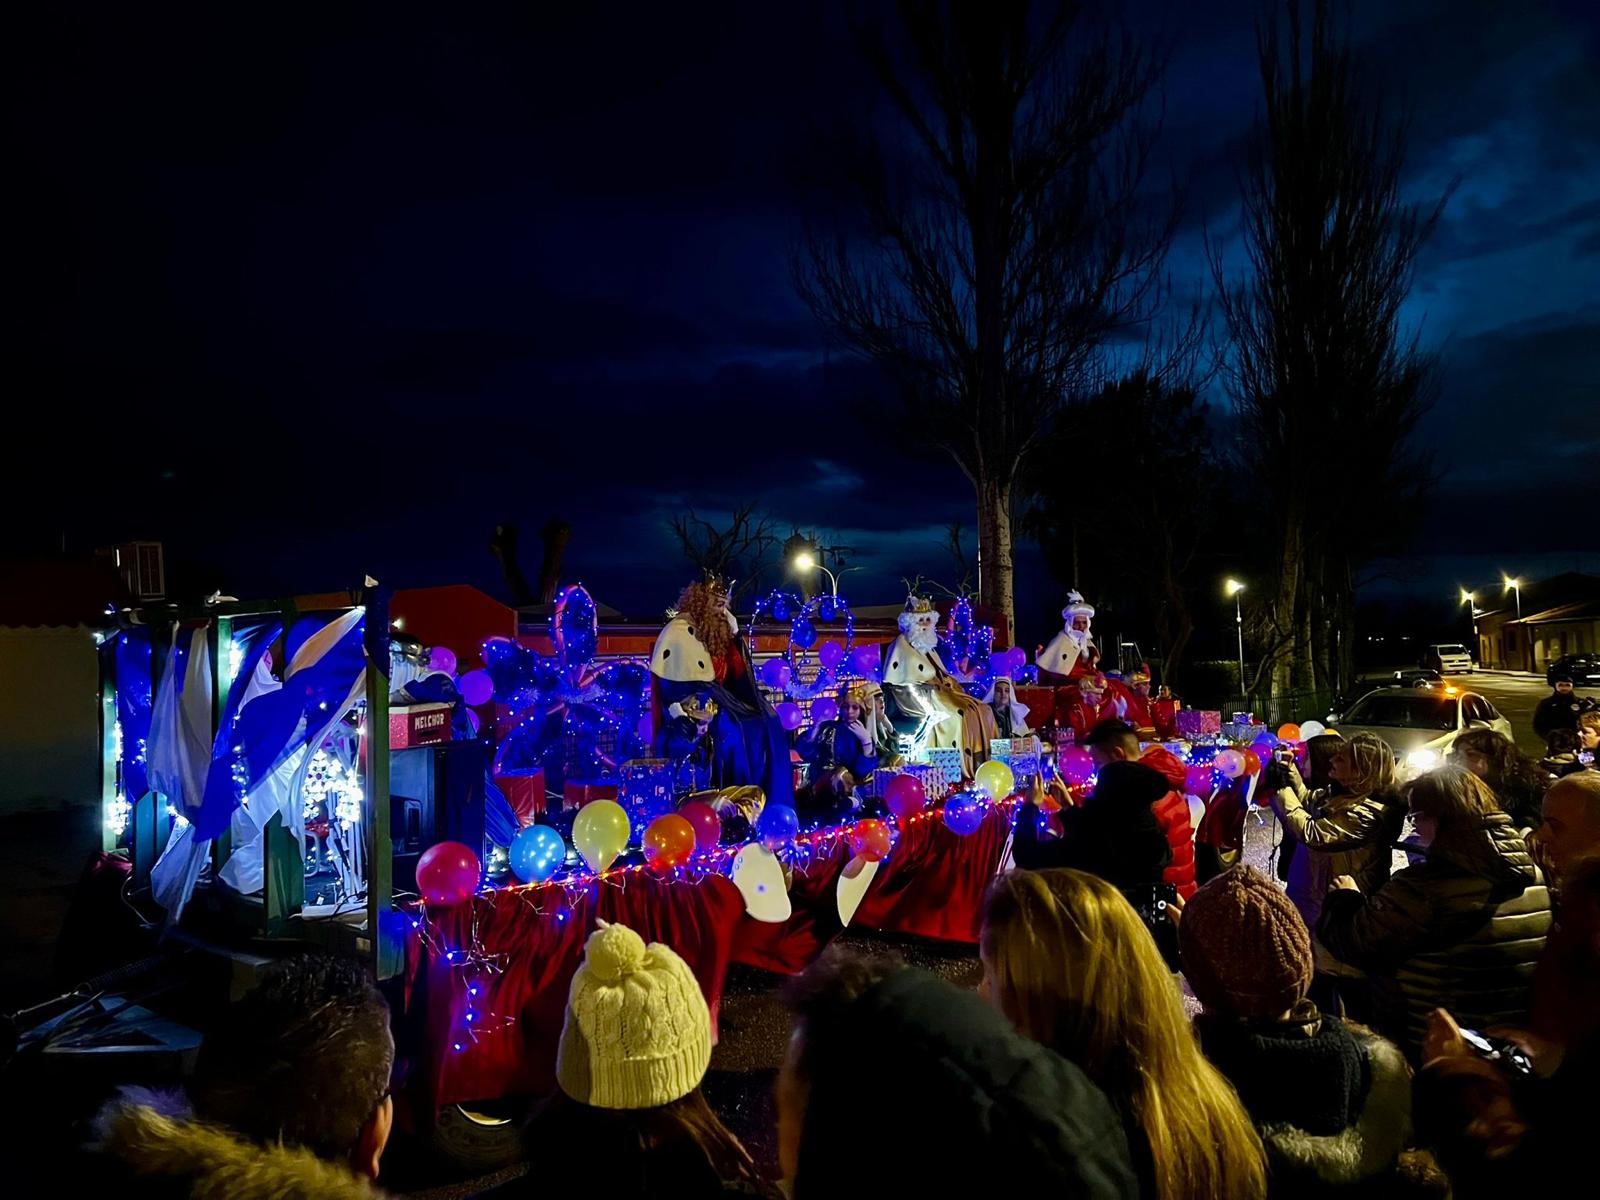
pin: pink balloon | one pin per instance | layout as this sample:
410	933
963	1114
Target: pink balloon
476	687
905	796
707	825
447	873
789	714
830	654
1076	765
442	658
824	708
865	660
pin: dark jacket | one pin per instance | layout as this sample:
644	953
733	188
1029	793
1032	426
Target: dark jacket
155	1150
1332	1102
1556	711
975	1108
831	746
1462	930
1115	835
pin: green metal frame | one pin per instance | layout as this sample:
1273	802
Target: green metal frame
275	915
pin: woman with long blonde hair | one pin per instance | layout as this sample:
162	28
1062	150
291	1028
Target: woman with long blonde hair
1069	961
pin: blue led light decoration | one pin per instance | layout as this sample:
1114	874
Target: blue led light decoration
575	718
966	648
805	617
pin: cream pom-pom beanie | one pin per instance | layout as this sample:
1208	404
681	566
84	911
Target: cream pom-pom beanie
638	1032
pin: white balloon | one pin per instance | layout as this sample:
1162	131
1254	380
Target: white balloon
1311	729
759	877
853	881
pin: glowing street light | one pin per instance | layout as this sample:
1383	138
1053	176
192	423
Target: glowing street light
1233	587
1515	585
806	561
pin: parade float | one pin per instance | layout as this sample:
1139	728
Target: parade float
457	793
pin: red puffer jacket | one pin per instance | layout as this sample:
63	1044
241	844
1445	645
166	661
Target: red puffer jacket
1172	811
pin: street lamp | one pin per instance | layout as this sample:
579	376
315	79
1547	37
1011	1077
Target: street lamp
1515	585
1233	588
1470	599
806	561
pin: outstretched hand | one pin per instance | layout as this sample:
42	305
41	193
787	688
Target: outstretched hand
1175	909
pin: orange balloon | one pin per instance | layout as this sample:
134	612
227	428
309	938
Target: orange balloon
1289	732
870	839
1252	762
668	842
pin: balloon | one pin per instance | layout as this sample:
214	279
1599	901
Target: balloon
1197	780
803	634
905	796
778	825
1016	659
475	721
824	708
707	825
1289	732
1252	762
600	831
536	852
669	841
870	840
994	779
1231	763
1076	764
963	812
827	608
775	673
447	873
830	654
865	660
1311	729
442	658
476	687
789	714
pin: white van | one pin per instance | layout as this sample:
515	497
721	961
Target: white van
1448	658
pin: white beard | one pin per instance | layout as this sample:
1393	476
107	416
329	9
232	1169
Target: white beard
925	640
1080	637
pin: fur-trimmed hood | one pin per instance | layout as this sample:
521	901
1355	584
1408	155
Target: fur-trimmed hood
154	1138
1365	1150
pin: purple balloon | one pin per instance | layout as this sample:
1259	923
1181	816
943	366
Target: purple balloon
789	714
497	648
824	708
442	658
963	813
476	687
775	673
830	654
866	662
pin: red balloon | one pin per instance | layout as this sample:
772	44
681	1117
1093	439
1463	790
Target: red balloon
668	842
447	873
1197	781
905	797
870	840
1252	762
1076	764
707	825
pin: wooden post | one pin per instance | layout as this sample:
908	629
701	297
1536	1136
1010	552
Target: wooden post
110	766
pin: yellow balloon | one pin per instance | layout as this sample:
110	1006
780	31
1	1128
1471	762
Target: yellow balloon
600	832
995	779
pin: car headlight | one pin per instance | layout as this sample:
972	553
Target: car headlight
1422	760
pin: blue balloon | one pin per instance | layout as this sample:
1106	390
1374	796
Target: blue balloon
536	852
803	634
780	609
963	813
827	608
778	825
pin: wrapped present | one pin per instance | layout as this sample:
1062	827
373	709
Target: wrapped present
933	781
1025	746
1198	722
1244	718
645	788
1241	733
947	761
579	794
1000	749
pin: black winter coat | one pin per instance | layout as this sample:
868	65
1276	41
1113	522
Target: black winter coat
1556	711
1462	930
1115	835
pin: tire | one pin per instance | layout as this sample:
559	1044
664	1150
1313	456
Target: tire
478	1138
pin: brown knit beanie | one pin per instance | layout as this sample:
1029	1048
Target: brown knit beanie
1246	950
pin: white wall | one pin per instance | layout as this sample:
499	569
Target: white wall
49	723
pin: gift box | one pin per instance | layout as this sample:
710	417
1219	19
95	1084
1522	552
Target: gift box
947	761
418	725
645	788
1241	733
999	749
579	794
933	782
1198	722
524	791
1244	718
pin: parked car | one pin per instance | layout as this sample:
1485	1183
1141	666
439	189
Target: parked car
1582	669
1449	658
1420	724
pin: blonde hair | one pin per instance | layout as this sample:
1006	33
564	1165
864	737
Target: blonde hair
1373	763
1073	967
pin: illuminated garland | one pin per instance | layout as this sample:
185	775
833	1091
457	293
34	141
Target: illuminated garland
802	616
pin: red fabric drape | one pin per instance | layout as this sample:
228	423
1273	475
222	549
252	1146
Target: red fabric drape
931	885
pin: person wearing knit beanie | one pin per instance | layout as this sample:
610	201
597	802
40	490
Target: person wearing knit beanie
638	1032
1246	950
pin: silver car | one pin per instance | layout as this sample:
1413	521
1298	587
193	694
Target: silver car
1420	724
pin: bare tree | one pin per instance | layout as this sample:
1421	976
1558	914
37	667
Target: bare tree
1000	236
737	552
1326	385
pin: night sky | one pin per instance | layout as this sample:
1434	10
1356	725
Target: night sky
309	295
